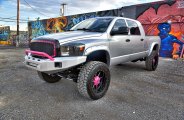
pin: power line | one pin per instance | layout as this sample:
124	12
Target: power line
12	19
35	9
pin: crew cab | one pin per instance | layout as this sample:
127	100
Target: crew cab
85	52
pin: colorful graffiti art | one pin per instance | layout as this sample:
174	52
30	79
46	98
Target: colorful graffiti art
167	41
55	25
38	28
78	18
4	33
168	22
61	24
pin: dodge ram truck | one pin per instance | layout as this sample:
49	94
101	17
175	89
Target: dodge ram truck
86	51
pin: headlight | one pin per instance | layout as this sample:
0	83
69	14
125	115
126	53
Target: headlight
76	49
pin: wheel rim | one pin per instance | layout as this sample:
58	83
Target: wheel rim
99	82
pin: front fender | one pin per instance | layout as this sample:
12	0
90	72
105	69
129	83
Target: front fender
96	48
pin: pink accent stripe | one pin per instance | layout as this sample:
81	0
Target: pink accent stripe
42	54
182	52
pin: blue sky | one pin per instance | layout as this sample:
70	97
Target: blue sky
51	8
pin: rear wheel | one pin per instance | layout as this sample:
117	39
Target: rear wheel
94	80
152	61
48	78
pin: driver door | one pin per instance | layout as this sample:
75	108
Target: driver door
119	43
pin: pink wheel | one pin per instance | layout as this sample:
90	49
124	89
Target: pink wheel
94	80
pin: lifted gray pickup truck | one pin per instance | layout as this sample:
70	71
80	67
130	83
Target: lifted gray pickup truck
85	53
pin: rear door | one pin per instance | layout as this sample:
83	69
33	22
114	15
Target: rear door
136	39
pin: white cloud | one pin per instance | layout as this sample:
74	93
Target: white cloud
83	6
22	6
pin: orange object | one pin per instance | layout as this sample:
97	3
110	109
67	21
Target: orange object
5	43
175	57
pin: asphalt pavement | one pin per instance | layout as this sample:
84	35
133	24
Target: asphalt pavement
134	93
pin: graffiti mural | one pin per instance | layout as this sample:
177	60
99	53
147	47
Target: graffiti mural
55	25
167	21
75	19
78	18
4	33
38	28
163	18
168	40
61	24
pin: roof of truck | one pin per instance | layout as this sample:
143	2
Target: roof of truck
114	17
109	17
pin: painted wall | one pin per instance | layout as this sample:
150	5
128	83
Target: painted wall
4	35
60	24
165	19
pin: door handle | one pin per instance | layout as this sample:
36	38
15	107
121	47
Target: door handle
127	40
142	39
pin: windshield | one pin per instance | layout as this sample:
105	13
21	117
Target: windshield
93	25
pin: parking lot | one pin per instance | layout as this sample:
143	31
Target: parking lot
134	93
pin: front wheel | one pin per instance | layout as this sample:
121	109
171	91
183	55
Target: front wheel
48	78
94	79
152	61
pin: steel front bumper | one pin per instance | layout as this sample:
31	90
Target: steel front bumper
57	64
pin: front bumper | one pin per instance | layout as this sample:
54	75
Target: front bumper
58	64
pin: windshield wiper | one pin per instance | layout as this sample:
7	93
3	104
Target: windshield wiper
84	29
90	30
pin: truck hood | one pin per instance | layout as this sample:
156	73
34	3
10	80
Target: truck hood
70	36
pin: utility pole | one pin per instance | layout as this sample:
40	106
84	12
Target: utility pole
62	10
18	16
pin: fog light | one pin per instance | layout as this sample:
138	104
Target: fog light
58	64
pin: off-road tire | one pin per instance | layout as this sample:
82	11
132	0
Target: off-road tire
85	79
48	78
152	61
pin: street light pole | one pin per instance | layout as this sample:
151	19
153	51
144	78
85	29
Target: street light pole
18	16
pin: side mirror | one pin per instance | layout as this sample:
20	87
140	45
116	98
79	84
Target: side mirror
120	31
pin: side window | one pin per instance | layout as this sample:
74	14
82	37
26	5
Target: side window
134	29
120	24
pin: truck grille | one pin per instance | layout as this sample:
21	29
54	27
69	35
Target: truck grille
46	46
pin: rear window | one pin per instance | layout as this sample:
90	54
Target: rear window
134	29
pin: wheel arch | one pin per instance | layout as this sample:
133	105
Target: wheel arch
98	53
154	46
